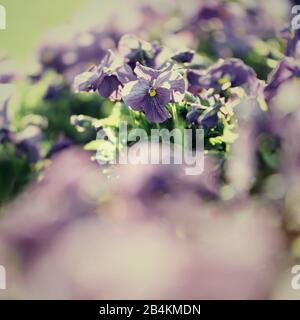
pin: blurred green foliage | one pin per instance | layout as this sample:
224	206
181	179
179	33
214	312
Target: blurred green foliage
15	172
27	20
50	104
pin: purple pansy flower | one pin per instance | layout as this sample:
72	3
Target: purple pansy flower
135	50
229	30
231	70
152	90
108	78
108	83
204	117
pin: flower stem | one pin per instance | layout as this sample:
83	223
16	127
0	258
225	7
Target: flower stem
174	114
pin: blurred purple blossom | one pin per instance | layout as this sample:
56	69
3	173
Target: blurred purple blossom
135	50
82	50
287	69
204	117
230	28
46	207
229	70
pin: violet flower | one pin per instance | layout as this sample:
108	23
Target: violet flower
205	118
153	90
229	30
135	50
232	70
108	78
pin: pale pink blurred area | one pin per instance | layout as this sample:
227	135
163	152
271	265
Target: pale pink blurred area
92	260
73	247
141	234
235	256
239	252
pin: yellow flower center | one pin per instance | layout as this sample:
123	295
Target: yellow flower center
152	92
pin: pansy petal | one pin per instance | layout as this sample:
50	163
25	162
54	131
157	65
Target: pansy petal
134	93
184	56
110	87
173	81
85	81
154	107
145	73
232	70
125	74
178	88
163	79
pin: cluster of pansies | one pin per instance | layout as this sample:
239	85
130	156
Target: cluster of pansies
153	86
138	85
230	68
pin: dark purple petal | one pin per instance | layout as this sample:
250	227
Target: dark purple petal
184	57
110	87
235	70
193	81
135	50
154	107
204	118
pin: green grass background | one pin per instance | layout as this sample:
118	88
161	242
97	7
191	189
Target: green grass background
27	20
